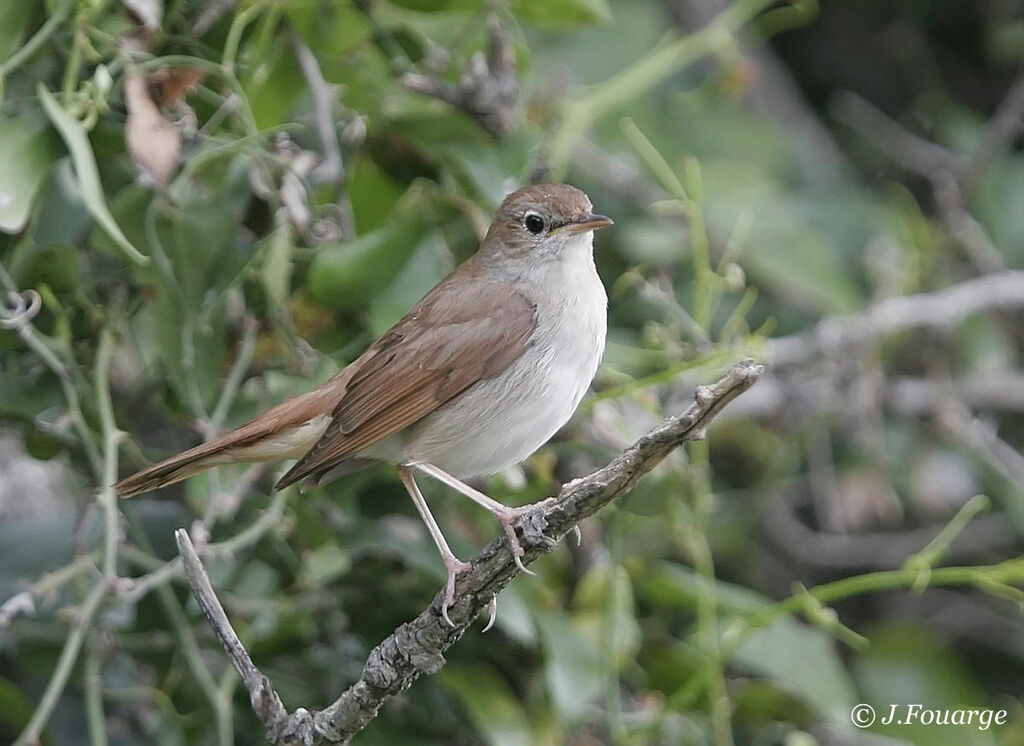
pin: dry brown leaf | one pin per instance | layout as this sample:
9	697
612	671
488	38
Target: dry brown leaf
176	82
154	142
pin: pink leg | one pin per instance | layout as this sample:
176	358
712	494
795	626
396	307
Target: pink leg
506	516
453	565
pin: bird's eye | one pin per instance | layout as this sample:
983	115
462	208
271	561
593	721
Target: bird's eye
534	223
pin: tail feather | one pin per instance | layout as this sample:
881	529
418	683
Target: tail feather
167	472
286	431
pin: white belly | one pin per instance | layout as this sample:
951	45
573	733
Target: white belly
502	420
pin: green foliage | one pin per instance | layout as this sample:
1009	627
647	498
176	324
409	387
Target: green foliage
745	592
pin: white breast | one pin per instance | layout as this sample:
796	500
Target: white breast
502	420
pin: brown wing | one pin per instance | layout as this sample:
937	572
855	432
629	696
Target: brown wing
467	329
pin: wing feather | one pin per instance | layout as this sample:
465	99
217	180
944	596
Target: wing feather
469	328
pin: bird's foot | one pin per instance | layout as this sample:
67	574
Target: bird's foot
508	518
453	565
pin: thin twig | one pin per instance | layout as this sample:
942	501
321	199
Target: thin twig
418	647
1004	126
265	701
24	601
65	665
16	315
107	500
331	170
488	86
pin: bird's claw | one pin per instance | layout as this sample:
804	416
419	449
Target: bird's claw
508	522
577	534
492	611
454	566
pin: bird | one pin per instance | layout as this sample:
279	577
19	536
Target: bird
478	375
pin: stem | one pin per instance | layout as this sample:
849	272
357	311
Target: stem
31	337
93	683
647	73
68	656
29	48
694	535
112	436
74	66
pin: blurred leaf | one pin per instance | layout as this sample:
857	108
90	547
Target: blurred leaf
25	396
612	620
85	169
907	665
26	157
557	13
425	268
15	708
58	266
791	255
276	271
34	545
491	704
573	665
128	206
350	273
13	17
998	198
325	563
802	657
805	660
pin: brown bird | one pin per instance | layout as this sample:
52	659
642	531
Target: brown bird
477	376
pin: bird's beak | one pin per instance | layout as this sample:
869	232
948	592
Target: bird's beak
589	222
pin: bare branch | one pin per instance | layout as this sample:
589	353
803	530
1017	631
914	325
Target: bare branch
938	310
1005	126
905	148
949	173
418	647
331	169
265	701
488	86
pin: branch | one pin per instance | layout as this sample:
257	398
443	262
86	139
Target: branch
941	309
488	86
418	647
951	175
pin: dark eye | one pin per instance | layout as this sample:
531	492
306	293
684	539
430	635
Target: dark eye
534	223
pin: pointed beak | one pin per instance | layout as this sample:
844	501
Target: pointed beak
589	222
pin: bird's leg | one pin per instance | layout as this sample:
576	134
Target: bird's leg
453	565
506	516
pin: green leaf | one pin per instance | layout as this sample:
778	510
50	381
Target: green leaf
350	273
806	661
425	268
276	270
555	13
13	17
26	156
801	657
912	664
85	169
573	665
492	706
325	563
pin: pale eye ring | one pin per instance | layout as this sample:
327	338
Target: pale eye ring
534	223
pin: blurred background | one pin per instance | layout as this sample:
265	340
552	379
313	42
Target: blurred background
832	189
